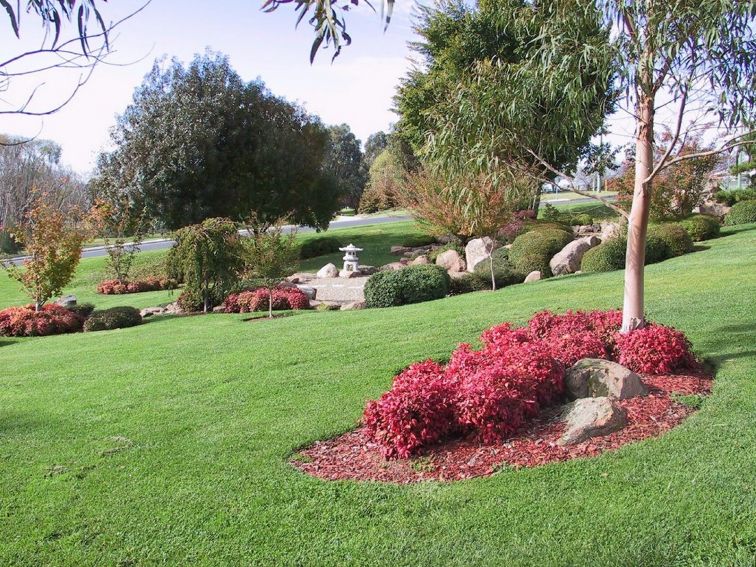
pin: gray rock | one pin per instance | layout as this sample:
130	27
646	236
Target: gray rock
328	271
609	230
173	308
353	306
567	260
349	274
151	311
368	270
715	209
404	261
590	417
420	261
399	250
594	377
66	301
392	266
219	309
478	250
310	292
533	277
451	261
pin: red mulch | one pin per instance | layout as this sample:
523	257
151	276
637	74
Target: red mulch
354	456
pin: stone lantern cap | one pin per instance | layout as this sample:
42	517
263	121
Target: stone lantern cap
351	248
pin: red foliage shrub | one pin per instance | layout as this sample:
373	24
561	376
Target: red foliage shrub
571	347
417	411
654	349
257	300
50	320
152	283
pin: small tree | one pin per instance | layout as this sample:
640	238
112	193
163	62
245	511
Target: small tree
269	257
122	230
207	257
54	249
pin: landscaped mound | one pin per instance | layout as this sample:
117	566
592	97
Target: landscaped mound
119	287
284	299
509	389
50	320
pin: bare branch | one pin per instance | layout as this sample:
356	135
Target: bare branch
731	144
680	114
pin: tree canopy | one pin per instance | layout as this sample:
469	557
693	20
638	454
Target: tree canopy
198	142
344	163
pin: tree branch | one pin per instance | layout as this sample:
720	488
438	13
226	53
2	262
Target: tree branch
680	113
725	148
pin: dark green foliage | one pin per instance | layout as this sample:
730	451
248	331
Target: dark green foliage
83	310
533	250
552	214
469	282
735	196
113	318
198	142
580	219
540	225
658	248
417	240
741	213
343	162
701	227
606	257
413	284
504	273
319	246
435	253
675	236
8	244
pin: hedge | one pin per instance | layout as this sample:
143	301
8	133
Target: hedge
413	284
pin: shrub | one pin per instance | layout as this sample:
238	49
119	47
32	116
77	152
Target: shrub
657	249
467	283
82	310
741	213
654	349
151	283
417	411
736	196
675	236
581	219
49	320
533	250
436	252
417	240
504	273
319	247
606	257
413	284
284	299
511	230
8	244
701	227
113	318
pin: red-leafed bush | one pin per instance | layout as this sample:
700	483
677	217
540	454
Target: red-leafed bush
50	320
654	349
257	300
418	410
568	348
119	287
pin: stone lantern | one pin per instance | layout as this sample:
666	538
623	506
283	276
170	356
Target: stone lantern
351	261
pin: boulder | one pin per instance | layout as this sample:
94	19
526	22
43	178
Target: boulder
586	229
533	277
404	261
420	261
392	266
353	305
325	305
328	271
399	250
150	311
349	274
594	377
609	230
451	261
66	301
714	209
590	417
567	260
310	292
173	308
219	309
368	270
478	250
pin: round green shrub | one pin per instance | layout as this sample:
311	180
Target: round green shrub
606	257
467	283
657	249
83	310
433	254
113	318
581	219
503	271
677	238
742	212
701	227
319	247
533	250
413	284
416	240
541	225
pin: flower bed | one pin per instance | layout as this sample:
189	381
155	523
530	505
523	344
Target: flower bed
284	299
118	287
50	320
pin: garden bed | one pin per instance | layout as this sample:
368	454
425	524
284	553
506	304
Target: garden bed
354	456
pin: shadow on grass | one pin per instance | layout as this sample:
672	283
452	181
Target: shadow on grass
737	229
7	343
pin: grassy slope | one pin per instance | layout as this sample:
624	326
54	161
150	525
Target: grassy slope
375	239
213	407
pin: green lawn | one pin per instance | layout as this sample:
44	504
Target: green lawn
168	443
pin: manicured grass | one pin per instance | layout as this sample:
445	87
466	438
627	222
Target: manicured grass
168	443
597	210
546	197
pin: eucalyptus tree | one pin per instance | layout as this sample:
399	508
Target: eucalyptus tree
697	54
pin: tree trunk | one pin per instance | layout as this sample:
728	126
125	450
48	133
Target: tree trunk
270	303
632	309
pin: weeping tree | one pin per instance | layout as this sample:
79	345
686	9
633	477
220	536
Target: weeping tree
699	55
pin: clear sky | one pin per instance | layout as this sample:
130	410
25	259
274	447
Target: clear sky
357	88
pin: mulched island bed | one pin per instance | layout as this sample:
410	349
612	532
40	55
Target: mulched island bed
354	456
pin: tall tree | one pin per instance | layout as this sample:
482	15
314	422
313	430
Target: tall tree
344	163
374	146
701	54
198	142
